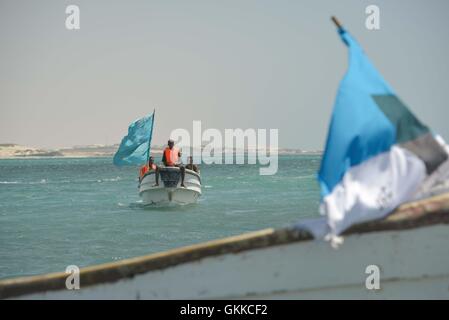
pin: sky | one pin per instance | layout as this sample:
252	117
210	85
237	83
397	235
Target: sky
231	64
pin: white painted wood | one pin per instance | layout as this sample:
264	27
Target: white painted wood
413	263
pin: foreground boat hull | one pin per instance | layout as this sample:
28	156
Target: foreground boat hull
173	194
298	271
409	249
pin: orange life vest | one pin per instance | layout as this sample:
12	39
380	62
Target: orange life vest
171	156
144	169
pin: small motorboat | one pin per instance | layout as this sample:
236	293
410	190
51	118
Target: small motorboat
169	189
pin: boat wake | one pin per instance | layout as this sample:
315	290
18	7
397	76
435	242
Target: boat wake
166	206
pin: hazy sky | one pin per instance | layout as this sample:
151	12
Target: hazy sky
231	64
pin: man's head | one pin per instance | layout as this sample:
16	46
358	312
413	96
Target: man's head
171	143
190	160
150	160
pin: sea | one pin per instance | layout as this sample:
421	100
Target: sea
56	212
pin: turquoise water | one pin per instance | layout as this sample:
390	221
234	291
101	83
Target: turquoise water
59	212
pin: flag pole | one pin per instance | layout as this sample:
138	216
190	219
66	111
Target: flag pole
337	23
151	135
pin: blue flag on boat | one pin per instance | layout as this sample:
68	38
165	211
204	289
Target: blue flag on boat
377	152
135	147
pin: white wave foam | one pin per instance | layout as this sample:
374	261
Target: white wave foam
9	182
21	182
109	179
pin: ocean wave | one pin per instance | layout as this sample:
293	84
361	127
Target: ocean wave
22	182
309	176
109	180
133	205
42	181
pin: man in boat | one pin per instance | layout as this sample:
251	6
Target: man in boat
192	166
171	158
150	165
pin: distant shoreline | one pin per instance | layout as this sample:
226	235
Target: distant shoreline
15	151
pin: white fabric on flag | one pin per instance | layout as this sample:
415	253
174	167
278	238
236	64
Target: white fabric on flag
373	189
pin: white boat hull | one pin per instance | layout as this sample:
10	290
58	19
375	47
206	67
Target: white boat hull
413	264
174	194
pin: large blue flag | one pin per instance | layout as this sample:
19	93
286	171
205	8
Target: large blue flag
135	147
377	152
